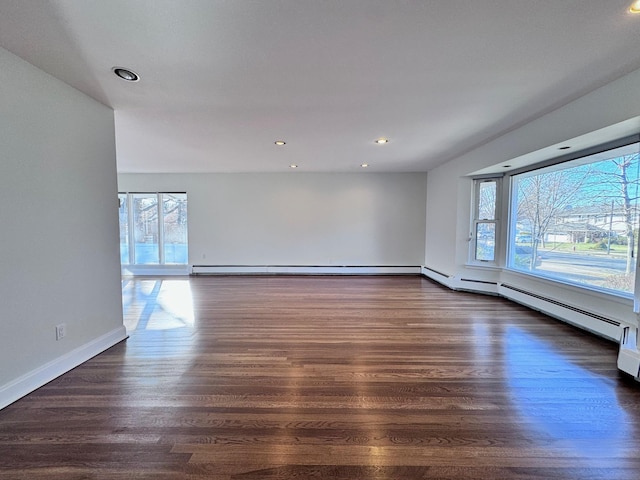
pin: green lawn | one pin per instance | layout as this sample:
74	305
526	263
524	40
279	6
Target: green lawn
584	247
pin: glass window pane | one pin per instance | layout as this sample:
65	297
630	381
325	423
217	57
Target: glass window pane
174	208
485	241
145	222
578	222
487	201
123	211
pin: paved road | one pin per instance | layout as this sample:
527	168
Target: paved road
600	262
581	267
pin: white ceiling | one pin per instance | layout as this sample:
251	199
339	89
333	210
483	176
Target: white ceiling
221	80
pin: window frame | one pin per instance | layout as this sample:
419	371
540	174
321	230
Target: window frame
159	206
512	217
476	220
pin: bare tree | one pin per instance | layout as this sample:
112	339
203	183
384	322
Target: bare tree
620	184
542	197
487	200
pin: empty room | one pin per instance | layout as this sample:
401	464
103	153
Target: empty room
355	239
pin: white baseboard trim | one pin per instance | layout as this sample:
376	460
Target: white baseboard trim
42	375
303	270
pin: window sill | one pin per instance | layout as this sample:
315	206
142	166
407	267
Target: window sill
625	299
483	266
621	298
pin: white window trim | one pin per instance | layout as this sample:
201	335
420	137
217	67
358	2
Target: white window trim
475	221
511	221
132	265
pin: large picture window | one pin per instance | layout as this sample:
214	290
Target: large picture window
577	221
153	228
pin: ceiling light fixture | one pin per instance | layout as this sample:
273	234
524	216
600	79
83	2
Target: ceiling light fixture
126	74
635	7
293	165
280	142
381	141
365	165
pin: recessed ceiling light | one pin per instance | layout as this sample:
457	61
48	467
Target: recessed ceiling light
126	74
293	165
280	142
365	165
635	7
381	141
566	147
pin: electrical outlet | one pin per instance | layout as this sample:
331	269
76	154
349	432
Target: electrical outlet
61	331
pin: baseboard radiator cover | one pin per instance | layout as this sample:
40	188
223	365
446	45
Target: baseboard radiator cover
478	286
598	324
440	274
629	353
437	276
305	270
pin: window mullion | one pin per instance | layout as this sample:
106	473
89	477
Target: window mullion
132	234
161	227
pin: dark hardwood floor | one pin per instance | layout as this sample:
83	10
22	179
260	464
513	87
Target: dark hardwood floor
331	378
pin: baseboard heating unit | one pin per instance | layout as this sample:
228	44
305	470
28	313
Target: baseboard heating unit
579	317
629	354
443	275
305	270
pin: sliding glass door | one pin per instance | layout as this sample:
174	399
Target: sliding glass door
146	234
174	231
124	228
153	228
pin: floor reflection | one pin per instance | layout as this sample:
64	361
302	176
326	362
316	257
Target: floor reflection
567	405
159	317
157	304
482	341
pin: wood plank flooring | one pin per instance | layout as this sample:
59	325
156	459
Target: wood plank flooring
274	378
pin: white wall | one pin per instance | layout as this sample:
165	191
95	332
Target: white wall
295	218
59	257
605	114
